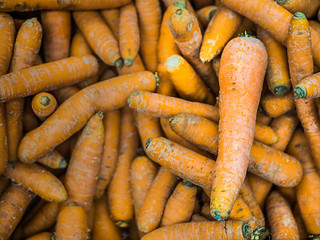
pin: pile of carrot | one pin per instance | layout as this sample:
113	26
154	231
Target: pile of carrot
159	119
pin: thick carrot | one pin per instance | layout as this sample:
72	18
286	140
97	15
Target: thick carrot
277	75
63	94
149	20
308	7
72	116
119	191
179	207
4	181
280	218
38	180
225	230
217	34
45	77
43	220
154	203
104	226
143	172
4	156
260	188
129	35
56	34
308	191
112	18
72	223
42	236
43	105
205	14
111	125
308	87
30	120
186	31
99	37
303	234
276	106
53	160
13	203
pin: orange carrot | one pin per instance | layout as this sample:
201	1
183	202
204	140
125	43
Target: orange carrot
3	140
56	34
107	74
149	19
205	14
217	34
119	191
308	87
247	26
53	160
111	125
43	105
203	3
280	218
216	65
276	106
308	7
72	223
137	66
42	182
260	188
263	118
30	120
129	36
73	116
265	134
198	218
42	236
167	3
112	18
99	37
154	203
288	193
63	94
303	234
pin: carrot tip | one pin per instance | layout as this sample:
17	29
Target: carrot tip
299	92
172	62
122	224
156	77
180	4
100	115
259	233
63	163
128	62
148	142
72	204
299	15
212	13
118	63
44	100
247	231
187	183
219	216
171	119
280	90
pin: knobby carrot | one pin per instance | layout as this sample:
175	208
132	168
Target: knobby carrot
277	75
56	34
4	156
42	236
111	125
112	18
53	160
154	203
61	125
13	203
129	36
63	94
149	20
119	191
99	36
72	223
260	188
276	106
42	182
308	87
209	230
217	34
280	218
308	7
43	105
30	120
167	3
48	76
82	173
205	14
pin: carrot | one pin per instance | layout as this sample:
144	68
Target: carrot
111	125
193	89
107	74
30	120
205	14
225	230
73	116
303	234
43	220
263	118
112	18
217	35
197	207
53	160
189	6
99	37
277	75
72	223
160	105
4	156
308	7
276	106
143	172
203	3
288	193
154	203
137	66
42	182
247	26
280	218
308	87
308	191
180	204
104	227
46	77
198	218
205	210
260	188
265	134
216	65
56	34
129	36
119	191
186	31
42	236
43	105
63	94
3	184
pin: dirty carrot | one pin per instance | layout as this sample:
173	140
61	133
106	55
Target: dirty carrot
63	94
276	106
99	37
206	13
119	190
42	236
42	182
111	125
72	116
3	140
260	188
308	7
309	87
43	105
53	160
30	120
112	18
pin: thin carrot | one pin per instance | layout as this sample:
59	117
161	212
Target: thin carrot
53	160
149	19
112	18
73	116
42	182
43	105
72	223
119	191
4	181
99	37
280	218
4	156
308	7
206	13
217	35
154	203
276	106
56	34
308	87
111	125
42	236
260	188
63	94
277	75
30	120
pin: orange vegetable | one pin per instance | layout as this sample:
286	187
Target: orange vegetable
3	140
308	87
276	106
63	94
53	160
260	188
30	120
205	14
308	7
137	66
43	105
198	218
4	181
265	134
263	118
107	74
42	236
112	18
300	223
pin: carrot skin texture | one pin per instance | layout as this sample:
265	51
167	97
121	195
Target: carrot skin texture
112	18
308	7
308	87
260	188
276	106
63	94
41	236
30	120
303	234
92	99
205	14
4	156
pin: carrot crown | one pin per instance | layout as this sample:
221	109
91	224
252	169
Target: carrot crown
180	4
300	92
44	100
299	15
